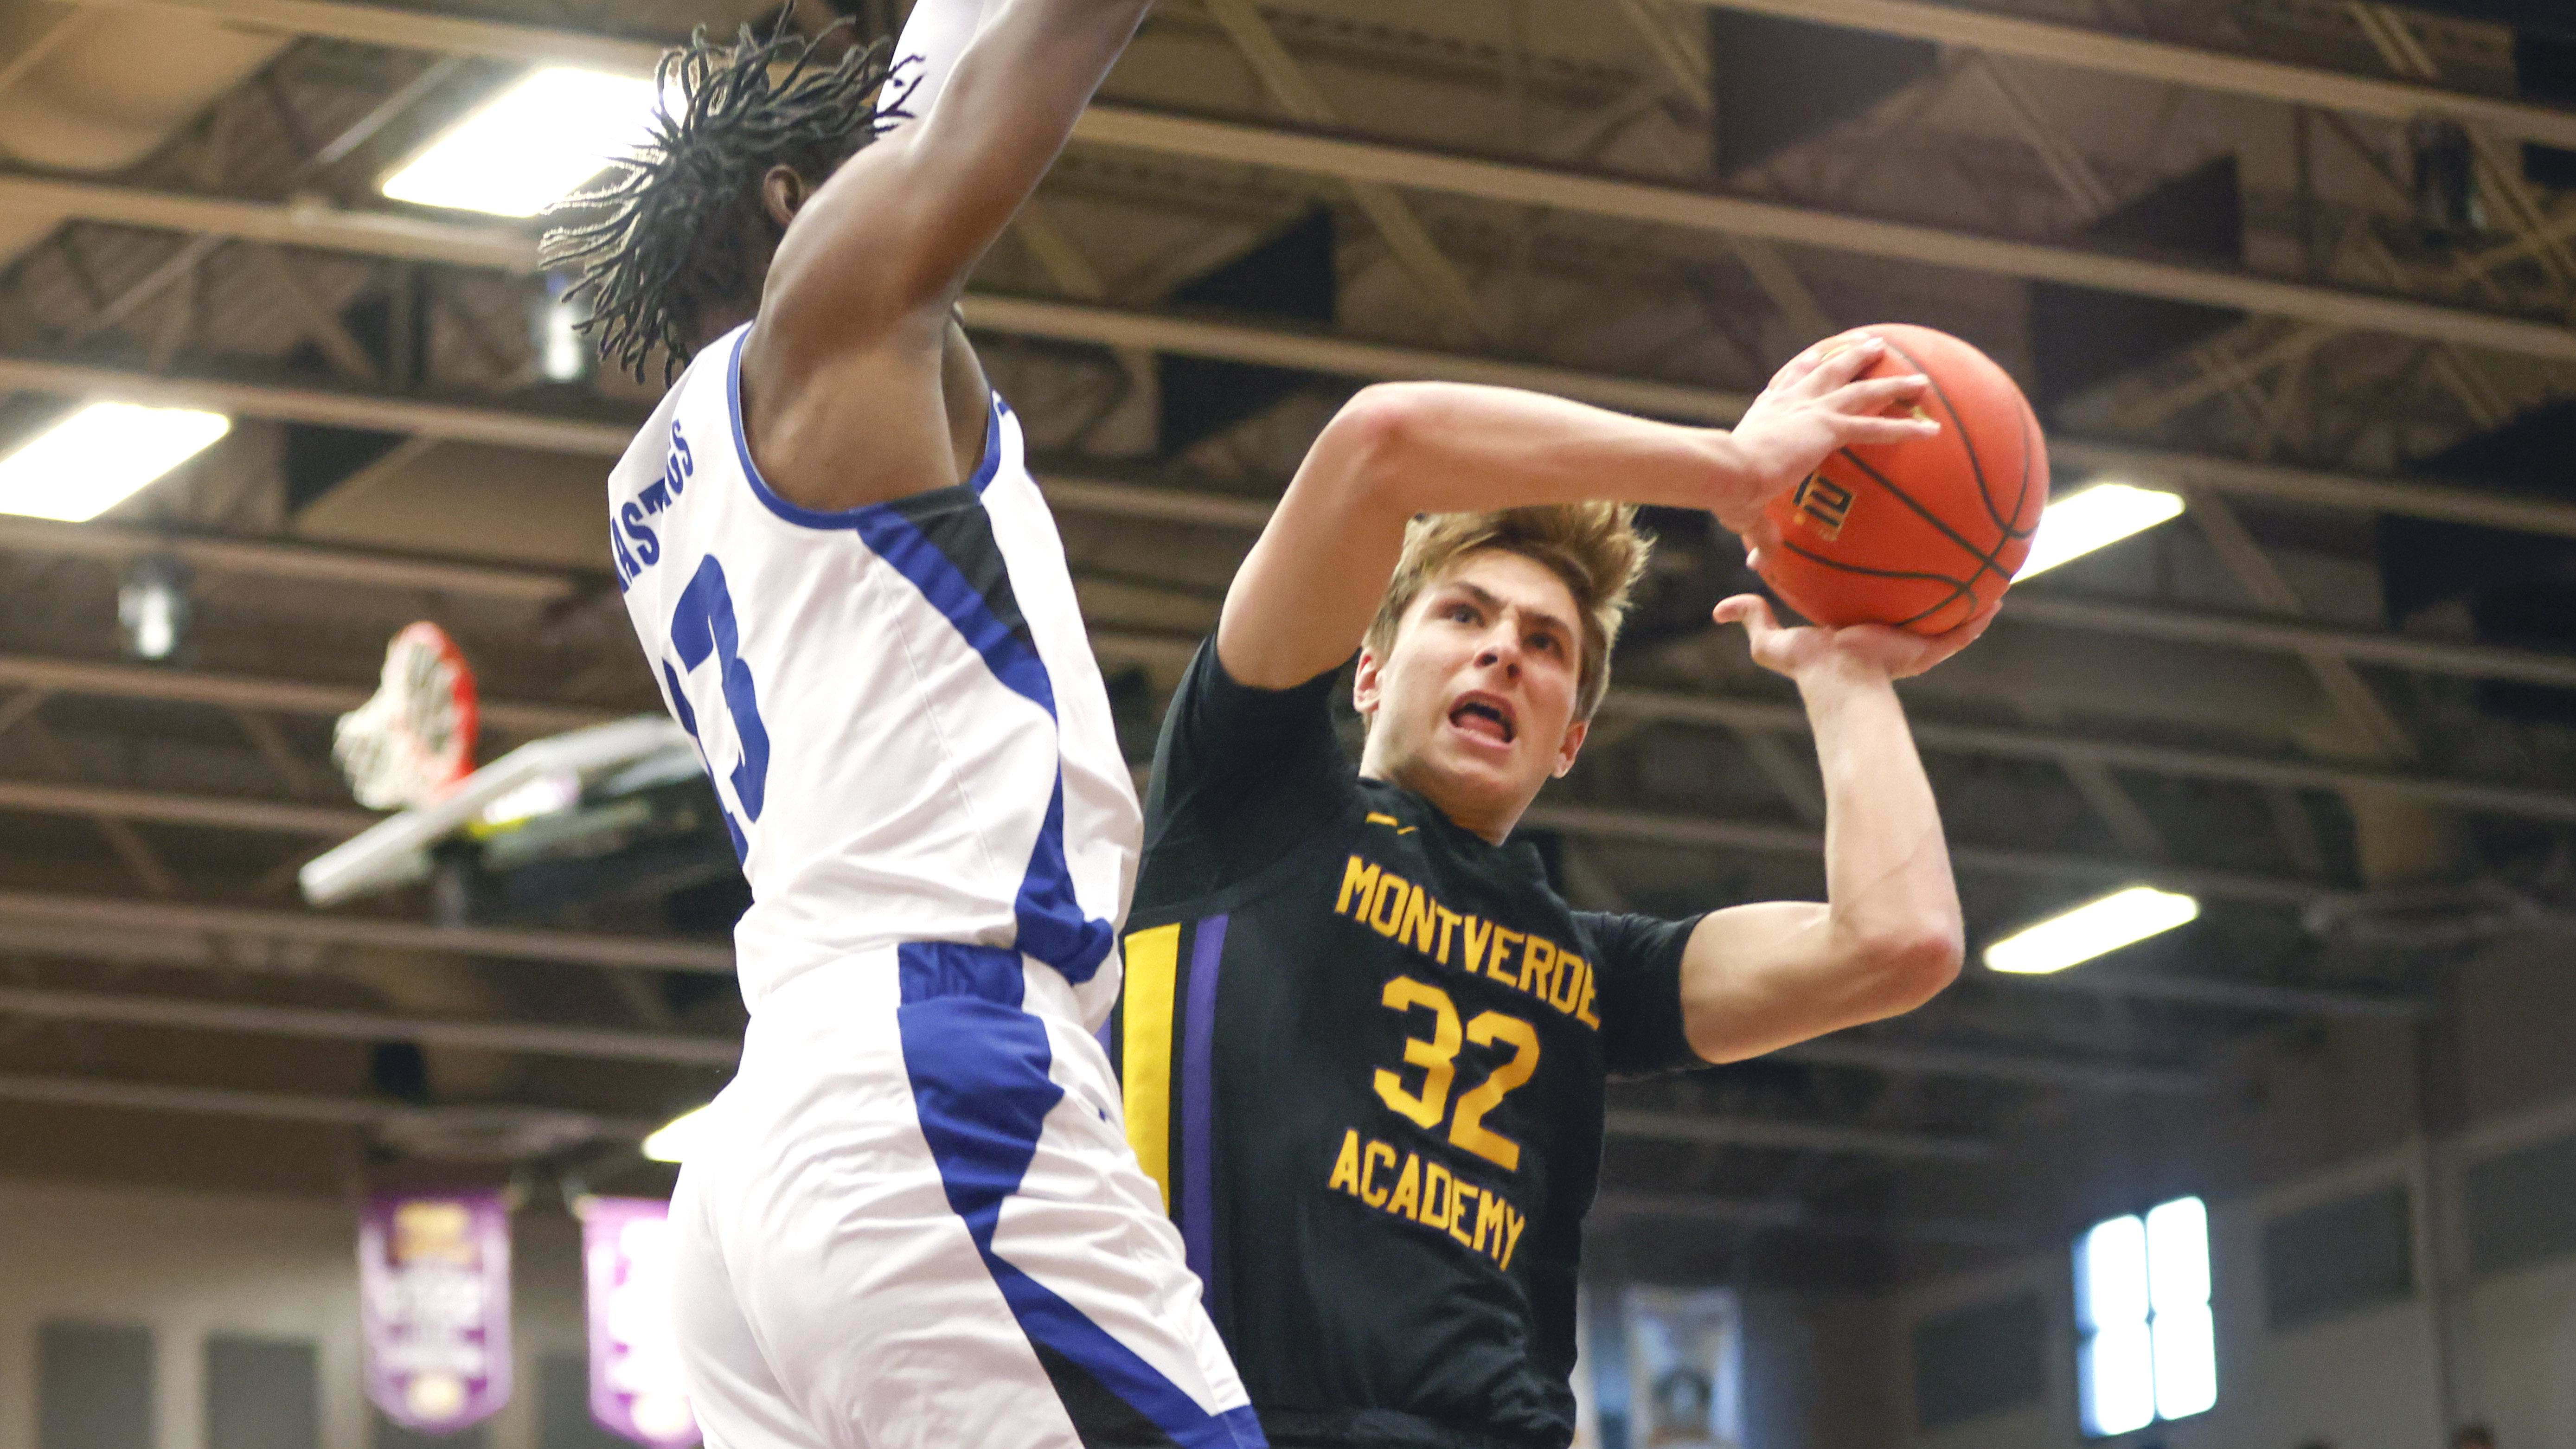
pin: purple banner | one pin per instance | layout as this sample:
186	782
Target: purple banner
434	1303
635	1386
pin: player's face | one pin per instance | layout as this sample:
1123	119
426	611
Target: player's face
1473	707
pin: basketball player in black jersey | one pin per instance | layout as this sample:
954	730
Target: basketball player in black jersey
1364	1044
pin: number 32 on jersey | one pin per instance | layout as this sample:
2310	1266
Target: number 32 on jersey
1424	1104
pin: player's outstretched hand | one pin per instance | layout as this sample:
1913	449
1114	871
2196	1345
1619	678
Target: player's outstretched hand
1795	650
1812	407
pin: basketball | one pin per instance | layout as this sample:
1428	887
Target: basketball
1924	535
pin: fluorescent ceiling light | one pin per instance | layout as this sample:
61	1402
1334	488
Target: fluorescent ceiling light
531	145
100	456
2090	929
2093	518
672	1143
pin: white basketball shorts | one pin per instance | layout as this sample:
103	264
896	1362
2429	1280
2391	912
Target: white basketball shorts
915	1223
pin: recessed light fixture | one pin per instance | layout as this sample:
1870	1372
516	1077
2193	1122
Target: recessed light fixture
529	146
2093	518
2089	930
100	456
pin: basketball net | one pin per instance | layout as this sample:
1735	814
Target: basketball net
414	740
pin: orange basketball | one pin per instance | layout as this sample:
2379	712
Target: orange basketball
1924	535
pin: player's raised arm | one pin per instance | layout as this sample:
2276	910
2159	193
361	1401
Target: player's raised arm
892	235
1888	936
1306	593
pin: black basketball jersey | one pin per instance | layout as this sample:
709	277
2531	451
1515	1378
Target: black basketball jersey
1364	1052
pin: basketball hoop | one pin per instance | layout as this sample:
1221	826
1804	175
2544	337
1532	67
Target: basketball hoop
414	740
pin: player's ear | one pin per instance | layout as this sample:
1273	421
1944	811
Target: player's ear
1367	683
1569	747
783	193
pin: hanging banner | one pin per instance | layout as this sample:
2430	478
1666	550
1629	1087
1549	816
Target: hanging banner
1685	1359
434	1306
636	1390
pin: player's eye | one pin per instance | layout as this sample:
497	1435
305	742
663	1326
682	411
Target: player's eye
1461	613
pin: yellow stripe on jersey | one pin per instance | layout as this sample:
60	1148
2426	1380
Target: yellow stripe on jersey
1153	962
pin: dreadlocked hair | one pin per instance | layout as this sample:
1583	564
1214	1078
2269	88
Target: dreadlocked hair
667	239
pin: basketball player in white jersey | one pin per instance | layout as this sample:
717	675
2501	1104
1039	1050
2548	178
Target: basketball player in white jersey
916	1224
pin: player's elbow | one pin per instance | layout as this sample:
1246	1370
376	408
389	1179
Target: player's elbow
1901	968
1376	440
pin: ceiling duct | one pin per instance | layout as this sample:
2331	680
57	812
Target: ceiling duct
99	89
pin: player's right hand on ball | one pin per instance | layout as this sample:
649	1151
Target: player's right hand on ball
1794	650
1812	407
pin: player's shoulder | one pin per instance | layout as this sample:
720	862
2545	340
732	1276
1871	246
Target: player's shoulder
678	426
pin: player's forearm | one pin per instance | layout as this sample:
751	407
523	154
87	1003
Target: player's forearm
934	35
1453	447
1892	905
893	234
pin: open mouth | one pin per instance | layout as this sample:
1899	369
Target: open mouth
1486	717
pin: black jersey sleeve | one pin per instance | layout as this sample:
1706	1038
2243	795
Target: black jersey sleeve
1241	777
1638	962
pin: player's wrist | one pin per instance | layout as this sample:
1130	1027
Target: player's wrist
1837	671
1740	480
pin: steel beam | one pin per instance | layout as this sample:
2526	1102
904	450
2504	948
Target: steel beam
45	798
286	559
295	224
234	691
2058	44
1714	834
292	1107
405	29
2087	48
678	1050
296	697
1332	356
1506	182
593	1043
1720	712
1905	1058
464	422
2271	632
1764	1132
1691	1207
2313	488
108	916
1519	184
2231	995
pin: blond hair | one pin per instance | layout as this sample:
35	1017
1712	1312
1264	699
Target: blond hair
1594	547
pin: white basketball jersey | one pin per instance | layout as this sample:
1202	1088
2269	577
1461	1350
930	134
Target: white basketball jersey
897	703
